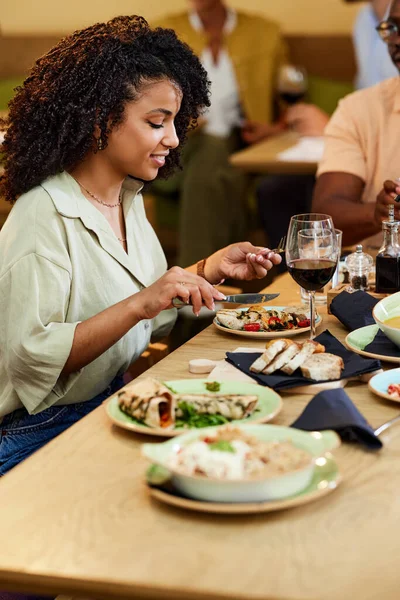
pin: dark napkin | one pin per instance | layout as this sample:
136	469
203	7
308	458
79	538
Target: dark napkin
353	365
383	346
354	310
333	409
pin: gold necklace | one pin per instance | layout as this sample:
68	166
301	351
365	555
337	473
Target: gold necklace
98	199
123	240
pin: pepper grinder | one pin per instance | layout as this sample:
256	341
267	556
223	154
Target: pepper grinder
359	265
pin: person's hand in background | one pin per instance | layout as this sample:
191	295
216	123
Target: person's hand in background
384	199
306	119
254	131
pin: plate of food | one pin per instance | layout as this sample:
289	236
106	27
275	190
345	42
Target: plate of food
240	464
171	408
386	385
263	322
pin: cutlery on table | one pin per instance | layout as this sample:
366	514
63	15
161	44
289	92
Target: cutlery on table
281	247
386	425
236	299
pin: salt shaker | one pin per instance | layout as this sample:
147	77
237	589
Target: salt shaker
359	265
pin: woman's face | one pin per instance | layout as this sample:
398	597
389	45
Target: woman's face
139	145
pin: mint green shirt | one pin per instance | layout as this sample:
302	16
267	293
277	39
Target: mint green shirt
61	263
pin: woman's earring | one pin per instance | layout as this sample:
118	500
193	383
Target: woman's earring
99	144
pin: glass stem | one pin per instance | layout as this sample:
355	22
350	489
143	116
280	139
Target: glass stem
311	296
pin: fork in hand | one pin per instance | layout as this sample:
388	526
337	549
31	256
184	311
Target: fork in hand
281	246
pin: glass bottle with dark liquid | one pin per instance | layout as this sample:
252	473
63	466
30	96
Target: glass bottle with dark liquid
388	258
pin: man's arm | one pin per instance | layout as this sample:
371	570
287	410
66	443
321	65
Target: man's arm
339	195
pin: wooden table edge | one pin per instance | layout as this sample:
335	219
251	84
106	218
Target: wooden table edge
101	590
274	166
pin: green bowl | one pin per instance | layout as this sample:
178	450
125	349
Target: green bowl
387	308
317	444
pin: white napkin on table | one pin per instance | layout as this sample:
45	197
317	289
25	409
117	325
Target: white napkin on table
307	149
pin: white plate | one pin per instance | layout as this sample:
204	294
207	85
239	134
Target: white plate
263	335
269	405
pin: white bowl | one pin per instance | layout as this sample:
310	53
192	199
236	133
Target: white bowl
386	309
249	490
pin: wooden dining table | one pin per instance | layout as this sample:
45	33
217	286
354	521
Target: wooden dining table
76	517
263	157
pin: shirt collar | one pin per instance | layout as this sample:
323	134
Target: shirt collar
69	200
71	203
229	25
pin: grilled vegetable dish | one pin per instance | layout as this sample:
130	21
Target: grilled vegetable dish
257	318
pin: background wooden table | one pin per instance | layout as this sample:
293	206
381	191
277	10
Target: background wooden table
76	517
263	157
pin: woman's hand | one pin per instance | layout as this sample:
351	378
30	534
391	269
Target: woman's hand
175	283
240	261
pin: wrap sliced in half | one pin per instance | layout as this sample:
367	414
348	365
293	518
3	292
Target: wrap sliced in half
230	406
150	402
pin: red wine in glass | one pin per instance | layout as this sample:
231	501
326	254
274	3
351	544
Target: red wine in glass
291	97
292	84
311	254
312	275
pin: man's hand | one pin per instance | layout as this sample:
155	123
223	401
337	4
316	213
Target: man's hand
254	131
384	199
306	119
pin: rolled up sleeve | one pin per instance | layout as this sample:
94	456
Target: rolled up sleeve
34	338
344	147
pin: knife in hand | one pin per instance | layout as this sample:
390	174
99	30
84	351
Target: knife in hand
235	299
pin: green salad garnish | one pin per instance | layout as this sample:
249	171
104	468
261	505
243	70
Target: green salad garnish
223	446
190	418
213	386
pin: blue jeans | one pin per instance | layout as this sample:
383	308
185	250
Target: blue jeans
21	434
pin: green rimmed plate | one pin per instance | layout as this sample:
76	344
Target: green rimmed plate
268	406
325	480
358	339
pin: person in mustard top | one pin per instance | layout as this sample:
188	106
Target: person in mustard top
83	278
242	54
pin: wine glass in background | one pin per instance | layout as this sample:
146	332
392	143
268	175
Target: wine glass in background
311	254
292	83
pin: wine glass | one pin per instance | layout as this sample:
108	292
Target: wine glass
292	83
311	254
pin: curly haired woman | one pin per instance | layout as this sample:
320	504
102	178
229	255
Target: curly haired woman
82	274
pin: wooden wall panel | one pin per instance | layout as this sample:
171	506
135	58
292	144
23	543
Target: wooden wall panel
329	56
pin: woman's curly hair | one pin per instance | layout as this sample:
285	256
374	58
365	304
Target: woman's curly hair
86	80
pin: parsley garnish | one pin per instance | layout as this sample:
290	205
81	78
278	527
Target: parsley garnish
222	446
190	418
213	386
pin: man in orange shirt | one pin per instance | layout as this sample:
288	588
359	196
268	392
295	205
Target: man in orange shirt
361	152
